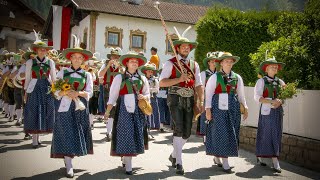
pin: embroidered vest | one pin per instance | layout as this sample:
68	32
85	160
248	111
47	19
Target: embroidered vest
78	84
40	70
230	86
126	86
110	74
175	73
271	89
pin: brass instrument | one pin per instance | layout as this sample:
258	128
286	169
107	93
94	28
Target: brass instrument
10	83
3	83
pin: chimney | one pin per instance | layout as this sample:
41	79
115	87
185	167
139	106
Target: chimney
136	2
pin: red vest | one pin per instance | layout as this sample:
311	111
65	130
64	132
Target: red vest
176	74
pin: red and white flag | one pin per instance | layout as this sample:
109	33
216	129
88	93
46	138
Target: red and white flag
61	27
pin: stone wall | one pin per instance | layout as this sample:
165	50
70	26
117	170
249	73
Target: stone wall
296	150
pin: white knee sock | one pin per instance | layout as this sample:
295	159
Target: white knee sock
11	110
35	139
275	162
68	161
217	160
91	117
109	125
179	145
19	114
161	125
128	162
5	108
225	163
175	142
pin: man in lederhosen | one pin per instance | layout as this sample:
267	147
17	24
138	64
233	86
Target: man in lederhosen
183	88
106	74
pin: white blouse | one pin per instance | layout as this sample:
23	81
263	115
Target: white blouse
259	87
116	85
51	77
167	69
212	84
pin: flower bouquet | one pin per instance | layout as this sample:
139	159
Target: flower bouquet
289	91
63	85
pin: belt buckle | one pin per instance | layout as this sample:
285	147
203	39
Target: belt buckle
185	92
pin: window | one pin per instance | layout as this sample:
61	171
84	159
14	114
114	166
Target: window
113	37
168	48
138	40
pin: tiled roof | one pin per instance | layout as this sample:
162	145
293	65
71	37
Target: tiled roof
172	12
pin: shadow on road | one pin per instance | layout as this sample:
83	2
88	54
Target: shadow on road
56	174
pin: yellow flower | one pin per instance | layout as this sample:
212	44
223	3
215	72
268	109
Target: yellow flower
66	87
53	89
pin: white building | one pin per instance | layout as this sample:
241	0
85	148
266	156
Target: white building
132	27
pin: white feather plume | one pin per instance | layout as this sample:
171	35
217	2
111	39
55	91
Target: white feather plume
38	37
178	34
76	41
185	31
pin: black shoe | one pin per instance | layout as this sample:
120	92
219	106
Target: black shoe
162	130
173	161
215	162
229	171
10	119
129	173
18	123
123	165
179	169
261	163
27	137
15	117
35	146
92	127
108	139
3	112
6	116
277	170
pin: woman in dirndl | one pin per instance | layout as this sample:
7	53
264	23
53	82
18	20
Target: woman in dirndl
72	132
209	63
129	135
150	71
269	134
39	112
224	93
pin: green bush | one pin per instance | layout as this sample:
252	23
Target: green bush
240	33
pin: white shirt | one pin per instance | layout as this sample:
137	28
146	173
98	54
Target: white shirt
51	77
155	88
167	69
212	84
22	69
116	85
259	87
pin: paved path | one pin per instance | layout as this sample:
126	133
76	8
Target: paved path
19	161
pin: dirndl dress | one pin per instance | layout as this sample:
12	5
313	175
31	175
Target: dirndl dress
72	132
129	134
222	138
39	110
269	134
